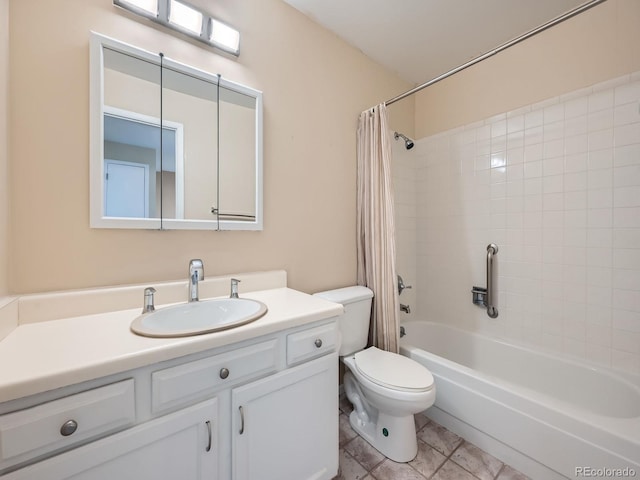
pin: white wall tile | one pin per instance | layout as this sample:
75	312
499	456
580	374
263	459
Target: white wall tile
553	113
602	178
600	316
601	120
626	176
604	138
626	196
626	279
626	320
599	159
533	135
552	201
575	162
600	218
627	155
599	237
535	118
532	169
533	153
552	182
627	93
575	181
576	107
626	300
626	258
599	277
626	134
599	257
575	200
626	217
625	114
575	126
553	131
601	100
600	198
626	237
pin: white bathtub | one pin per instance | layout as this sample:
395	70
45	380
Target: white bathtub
544	415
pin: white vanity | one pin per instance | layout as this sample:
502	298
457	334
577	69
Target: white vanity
85	398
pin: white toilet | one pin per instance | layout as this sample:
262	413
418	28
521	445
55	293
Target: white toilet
386	389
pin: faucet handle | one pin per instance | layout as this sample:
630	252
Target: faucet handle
148	300
234	288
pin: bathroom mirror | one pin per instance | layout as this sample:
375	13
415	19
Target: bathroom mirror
172	147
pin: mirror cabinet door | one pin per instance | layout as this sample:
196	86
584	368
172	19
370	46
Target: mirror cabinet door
131	142
238	192
190	165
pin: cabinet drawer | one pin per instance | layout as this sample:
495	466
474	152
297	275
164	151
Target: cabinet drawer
44	428
184	384
311	343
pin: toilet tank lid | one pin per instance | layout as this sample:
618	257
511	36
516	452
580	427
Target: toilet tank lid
346	295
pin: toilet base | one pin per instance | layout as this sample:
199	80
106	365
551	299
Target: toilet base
394	437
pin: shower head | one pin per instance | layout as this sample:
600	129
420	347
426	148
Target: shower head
408	143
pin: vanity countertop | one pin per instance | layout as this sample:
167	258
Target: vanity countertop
37	357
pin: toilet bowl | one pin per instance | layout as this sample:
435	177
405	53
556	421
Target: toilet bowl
386	389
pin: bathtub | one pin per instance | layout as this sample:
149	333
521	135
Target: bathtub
547	416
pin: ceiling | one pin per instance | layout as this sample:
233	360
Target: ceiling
421	39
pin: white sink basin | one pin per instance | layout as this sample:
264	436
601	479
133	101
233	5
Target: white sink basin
196	318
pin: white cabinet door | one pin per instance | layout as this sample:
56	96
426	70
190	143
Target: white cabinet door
285	427
182	445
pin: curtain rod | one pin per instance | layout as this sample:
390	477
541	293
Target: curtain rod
504	46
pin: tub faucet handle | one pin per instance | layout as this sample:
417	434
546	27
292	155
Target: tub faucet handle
405	308
401	285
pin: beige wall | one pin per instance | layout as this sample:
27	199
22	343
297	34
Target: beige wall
314	89
599	44
4	179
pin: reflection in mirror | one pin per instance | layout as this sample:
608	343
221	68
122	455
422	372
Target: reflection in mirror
131	137
134	139
165	153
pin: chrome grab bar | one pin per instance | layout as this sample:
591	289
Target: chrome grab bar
492	311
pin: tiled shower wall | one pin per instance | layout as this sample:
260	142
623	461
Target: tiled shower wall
556	186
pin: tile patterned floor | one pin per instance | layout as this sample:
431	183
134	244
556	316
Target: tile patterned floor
442	455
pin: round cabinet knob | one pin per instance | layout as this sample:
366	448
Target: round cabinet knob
224	373
318	342
68	428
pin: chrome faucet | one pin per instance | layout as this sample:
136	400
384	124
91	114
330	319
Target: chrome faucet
196	273
405	308
234	288
148	300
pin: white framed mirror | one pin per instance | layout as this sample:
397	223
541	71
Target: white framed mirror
172	147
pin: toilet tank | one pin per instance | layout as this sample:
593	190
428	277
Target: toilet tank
354	322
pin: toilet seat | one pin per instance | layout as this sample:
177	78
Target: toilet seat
393	371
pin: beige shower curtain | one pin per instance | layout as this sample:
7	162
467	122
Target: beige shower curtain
376	226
